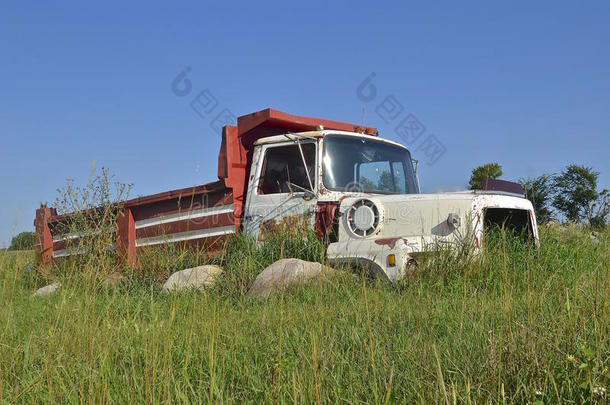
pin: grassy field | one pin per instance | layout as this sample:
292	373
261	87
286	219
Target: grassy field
516	325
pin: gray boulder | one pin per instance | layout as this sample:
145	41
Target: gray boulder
197	277
284	273
47	290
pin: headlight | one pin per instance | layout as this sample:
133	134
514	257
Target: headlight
363	218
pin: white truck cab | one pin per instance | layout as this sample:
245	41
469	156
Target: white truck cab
373	214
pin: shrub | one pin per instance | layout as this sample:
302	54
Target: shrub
23	241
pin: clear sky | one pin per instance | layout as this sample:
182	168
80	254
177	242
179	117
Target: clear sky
523	83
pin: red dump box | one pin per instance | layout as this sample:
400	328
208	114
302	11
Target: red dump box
201	216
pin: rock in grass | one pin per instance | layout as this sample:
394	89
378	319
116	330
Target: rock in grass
114	279
593	238
47	290
197	277
284	273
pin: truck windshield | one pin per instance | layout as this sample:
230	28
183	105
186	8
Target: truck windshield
367	165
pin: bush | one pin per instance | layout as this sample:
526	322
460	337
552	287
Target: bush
23	241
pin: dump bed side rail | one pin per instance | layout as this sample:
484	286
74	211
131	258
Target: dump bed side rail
198	217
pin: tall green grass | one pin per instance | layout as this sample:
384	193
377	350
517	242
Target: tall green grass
515	325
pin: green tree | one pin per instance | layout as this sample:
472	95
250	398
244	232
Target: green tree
386	181
539	190
23	241
577	198
484	172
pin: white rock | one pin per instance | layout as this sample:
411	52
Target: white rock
47	290
284	273
594	239
197	277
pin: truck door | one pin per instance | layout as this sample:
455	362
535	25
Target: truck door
282	192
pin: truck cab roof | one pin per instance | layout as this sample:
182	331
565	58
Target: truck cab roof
322	134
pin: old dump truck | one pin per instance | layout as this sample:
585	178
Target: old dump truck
359	192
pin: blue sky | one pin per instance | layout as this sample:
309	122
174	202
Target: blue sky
523	84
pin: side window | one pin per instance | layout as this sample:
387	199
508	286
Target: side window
283	168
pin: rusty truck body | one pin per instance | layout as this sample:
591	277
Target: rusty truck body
358	191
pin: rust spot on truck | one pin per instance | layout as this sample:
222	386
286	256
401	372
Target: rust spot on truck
327	221
412	269
293	224
390	242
